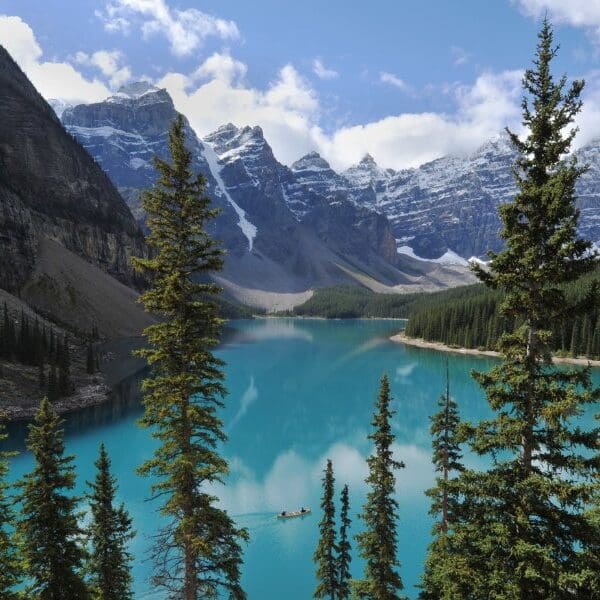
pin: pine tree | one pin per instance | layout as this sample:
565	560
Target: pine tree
64	368
526	531
10	573
198	553
441	578
49	534
379	541
110	532
325	553
344	558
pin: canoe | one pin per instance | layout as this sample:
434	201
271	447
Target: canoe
295	513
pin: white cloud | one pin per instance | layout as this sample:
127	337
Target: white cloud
394	80
221	66
289	111
580	13
410	139
185	30
322	72
52	79
459	56
109	62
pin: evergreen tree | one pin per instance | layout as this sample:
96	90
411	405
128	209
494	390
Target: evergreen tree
344	558
10	572
525	528
440	580
325	554
48	530
198	553
446	457
378	542
64	368
109	532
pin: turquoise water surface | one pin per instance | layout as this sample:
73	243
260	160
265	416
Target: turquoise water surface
300	391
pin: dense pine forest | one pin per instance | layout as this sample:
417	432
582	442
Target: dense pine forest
352	302
29	342
470	317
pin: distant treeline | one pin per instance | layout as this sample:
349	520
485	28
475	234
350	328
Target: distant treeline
352	302
230	309
29	342
469	317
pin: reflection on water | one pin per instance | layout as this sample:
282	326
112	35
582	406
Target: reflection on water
125	403
299	392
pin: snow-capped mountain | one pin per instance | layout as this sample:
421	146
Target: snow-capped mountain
451	204
283	231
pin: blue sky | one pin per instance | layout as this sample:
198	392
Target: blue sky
405	80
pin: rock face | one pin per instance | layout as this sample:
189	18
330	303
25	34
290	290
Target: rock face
285	229
452	203
50	187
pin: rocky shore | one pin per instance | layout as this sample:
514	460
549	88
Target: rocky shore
402	338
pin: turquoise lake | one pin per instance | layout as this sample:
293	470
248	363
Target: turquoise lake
300	391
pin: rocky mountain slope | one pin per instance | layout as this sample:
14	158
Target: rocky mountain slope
451	203
274	245
444	211
66	238
66	234
50	187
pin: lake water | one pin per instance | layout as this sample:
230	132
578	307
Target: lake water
300	391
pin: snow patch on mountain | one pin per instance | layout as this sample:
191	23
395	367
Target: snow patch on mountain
139	163
448	258
133	91
248	229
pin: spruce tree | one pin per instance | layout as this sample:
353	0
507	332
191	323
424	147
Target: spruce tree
343	557
440	581
49	534
64	368
10	572
325	553
110	532
198	553
526	533
378	543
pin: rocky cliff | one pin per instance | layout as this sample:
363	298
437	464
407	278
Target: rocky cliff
452	203
50	187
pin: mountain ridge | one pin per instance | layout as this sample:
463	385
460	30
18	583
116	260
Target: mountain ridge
333	241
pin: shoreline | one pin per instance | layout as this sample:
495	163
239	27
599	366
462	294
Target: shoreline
117	366
401	338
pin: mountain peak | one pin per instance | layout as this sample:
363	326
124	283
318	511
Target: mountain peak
255	132
140	92
368	161
137	89
312	161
